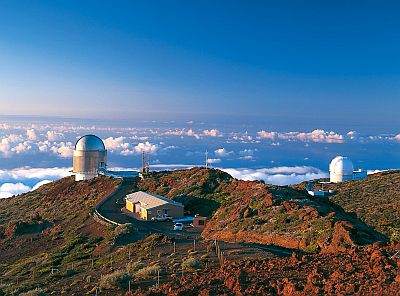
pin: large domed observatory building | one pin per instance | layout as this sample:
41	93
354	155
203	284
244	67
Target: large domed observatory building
89	158
341	169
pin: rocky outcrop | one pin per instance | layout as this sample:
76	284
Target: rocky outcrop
363	271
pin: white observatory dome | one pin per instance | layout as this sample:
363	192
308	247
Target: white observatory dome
341	169
90	143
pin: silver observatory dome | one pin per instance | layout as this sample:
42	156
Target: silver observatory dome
90	157
90	143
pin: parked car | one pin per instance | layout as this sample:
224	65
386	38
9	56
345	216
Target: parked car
178	226
162	218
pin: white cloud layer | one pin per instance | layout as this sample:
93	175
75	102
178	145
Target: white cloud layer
21	180
213	160
212	133
317	136
10	189
222	152
278	175
145	147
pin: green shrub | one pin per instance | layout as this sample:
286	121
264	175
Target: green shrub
121	233
117	280
35	292
191	264
311	248
395	234
148	271
133	266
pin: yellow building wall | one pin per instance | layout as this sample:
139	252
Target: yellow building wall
143	214
130	206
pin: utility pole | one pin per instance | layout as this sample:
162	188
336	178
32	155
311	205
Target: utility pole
145	163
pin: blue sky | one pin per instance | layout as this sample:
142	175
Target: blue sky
292	62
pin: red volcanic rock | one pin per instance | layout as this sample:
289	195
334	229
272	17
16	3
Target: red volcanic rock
289	289
341	239
10	230
236	282
397	279
318	274
290	206
314	282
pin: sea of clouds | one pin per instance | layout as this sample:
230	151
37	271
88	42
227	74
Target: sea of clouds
21	180
278	175
32	154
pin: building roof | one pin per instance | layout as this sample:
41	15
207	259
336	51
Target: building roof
90	143
149	201
341	165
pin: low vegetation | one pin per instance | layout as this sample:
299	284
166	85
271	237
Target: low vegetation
51	244
191	264
117	280
374	200
147	271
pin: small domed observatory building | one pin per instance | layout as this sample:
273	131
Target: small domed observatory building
89	158
341	169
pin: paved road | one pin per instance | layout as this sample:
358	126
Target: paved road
111	208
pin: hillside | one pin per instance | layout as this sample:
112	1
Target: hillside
201	191
370	271
50	227
375	200
49	239
245	211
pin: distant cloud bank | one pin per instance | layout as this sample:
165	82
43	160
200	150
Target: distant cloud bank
318	136
21	180
278	175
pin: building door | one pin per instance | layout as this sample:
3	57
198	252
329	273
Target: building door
137	207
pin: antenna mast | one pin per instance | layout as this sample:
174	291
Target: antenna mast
206	159
145	163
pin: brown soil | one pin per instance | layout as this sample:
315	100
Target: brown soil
366	271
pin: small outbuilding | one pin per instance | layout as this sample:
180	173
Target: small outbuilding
147	206
199	222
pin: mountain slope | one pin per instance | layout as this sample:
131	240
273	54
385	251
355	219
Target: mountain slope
251	211
49	238
375	200
49	228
